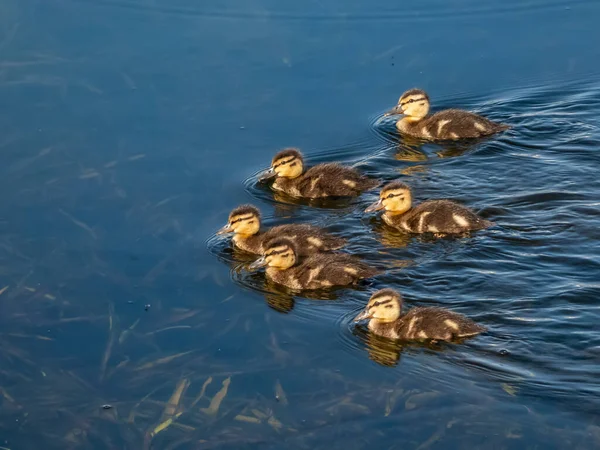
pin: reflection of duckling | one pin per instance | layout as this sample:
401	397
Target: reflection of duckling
385	313
322	180
244	221
447	124
320	270
433	216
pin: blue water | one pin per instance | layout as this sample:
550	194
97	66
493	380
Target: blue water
129	131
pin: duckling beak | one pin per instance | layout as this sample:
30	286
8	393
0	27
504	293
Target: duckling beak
267	175
377	206
260	262
226	229
364	314
394	111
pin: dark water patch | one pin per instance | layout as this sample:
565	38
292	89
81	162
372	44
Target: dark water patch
269	10
132	126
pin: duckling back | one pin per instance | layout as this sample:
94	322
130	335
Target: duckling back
323	270
435	324
439	216
326	180
308	239
452	124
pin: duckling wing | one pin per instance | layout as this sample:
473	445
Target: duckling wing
437	324
444	216
309	239
333	180
459	124
325	270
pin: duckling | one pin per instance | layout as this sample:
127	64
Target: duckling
244	221
384	312
321	270
322	180
448	124
440	217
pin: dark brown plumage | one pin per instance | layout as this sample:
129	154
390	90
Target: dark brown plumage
438	216
384	312
322	180
432	216
429	323
309	239
450	124
326	180
317	271
245	221
461	125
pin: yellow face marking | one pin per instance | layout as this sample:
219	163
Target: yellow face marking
314	241
377	300
349	183
422	335
274	250
460	220
451	324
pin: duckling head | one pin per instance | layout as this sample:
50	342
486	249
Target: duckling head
280	253
395	198
244	219
288	163
414	103
384	306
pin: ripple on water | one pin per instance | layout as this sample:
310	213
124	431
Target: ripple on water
530	279
398	13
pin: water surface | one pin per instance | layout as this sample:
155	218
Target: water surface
132	127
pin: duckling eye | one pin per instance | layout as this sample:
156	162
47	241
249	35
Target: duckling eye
283	163
412	100
391	195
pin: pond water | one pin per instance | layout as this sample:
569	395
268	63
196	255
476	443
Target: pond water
131	128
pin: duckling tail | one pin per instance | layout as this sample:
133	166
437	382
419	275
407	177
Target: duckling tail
486	224
335	243
369	183
369	272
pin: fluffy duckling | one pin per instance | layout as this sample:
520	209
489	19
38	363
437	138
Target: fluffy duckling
440	217
244	221
384	312
322	180
322	270
448	124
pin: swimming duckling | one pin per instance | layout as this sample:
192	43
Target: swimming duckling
322	180
448	124
384	312
244	221
321	270
433	216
